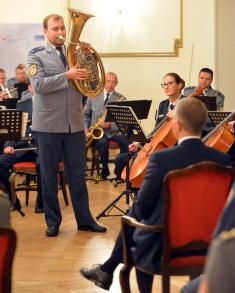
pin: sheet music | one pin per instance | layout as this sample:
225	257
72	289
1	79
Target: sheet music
24	123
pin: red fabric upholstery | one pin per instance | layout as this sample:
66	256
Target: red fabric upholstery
196	201
4	242
113	144
24	165
7	252
188	260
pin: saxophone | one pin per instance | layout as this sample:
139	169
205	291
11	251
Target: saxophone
96	131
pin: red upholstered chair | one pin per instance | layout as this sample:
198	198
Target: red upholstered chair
7	252
29	169
194	199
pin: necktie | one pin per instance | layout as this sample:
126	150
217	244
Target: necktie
106	99
172	106
62	57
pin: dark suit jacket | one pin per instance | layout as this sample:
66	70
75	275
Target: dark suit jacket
149	205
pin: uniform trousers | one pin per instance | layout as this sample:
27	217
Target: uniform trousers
103	148
70	147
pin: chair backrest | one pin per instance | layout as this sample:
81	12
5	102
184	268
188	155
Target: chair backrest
7	252
194	199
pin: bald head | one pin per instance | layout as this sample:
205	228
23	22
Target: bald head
191	114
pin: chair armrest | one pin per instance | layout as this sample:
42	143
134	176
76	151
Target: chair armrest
127	221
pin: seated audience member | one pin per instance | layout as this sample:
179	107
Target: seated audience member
189	117
20	81
219	269
93	109
172	86
205	79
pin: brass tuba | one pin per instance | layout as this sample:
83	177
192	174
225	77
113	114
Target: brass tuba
94	84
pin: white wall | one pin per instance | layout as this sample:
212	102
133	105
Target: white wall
226	50
141	77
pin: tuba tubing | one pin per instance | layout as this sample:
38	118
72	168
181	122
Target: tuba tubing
94	84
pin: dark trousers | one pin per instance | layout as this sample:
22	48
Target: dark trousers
144	280
71	148
6	162
103	148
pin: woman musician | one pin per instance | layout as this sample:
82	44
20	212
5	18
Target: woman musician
172	86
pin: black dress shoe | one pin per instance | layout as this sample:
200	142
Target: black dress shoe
92	228
52	231
96	275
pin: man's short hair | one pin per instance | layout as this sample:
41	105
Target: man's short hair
20	66
192	113
53	16
207	70
2	70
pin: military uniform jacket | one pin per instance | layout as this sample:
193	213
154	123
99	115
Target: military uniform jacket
209	92
93	109
57	104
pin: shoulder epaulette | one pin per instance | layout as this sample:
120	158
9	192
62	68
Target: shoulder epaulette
37	49
226	235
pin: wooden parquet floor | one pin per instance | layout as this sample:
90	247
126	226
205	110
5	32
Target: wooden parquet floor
50	265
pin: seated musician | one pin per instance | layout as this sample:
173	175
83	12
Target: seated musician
205	79
172	86
4	91
20	81
12	154
189	117
92	111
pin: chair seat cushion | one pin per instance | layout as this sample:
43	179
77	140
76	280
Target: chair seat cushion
113	144
25	167
188	260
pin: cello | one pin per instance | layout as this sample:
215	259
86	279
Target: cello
161	138
220	137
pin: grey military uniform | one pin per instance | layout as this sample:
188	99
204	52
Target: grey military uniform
93	109
58	121
57	105
208	92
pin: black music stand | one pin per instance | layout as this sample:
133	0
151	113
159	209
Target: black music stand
127	122
10	130
10	125
217	116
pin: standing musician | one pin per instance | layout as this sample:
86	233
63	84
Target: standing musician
172	85
92	111
58	121
205	79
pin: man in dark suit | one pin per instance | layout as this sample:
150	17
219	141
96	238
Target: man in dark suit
190	116
58	121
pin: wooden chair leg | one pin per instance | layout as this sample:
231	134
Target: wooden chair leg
27	189
63	187
124	279
165	283
12	185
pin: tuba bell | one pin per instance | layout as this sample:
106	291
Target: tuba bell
94	84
